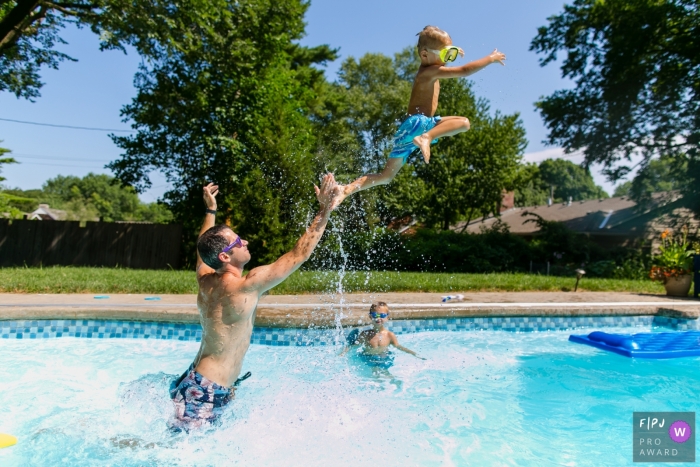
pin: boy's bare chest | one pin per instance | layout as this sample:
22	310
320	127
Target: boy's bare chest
424	97
380	339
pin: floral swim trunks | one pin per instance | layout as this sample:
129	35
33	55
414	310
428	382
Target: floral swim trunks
199	400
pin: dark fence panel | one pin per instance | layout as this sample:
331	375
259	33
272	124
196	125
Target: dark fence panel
66	243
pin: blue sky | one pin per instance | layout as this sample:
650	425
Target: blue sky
91	91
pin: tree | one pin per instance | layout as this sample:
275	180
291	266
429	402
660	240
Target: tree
230	106
557	177
623	189
530	189
659	175
569	180
100	196
636	65
5	160
30	29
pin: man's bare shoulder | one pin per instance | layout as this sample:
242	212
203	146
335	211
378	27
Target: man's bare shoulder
227	282
255	277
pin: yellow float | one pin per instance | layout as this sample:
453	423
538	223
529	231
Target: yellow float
7	440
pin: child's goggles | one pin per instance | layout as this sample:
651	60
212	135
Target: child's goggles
374	315
446	54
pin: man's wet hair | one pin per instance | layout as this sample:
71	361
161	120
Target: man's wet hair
431	37
210	245
374	306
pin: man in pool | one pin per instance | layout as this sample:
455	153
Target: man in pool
227	301
375	342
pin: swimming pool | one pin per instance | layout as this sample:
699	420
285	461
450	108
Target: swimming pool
482	398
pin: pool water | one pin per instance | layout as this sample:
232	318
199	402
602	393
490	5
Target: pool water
481	398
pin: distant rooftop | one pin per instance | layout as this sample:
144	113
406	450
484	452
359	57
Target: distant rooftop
45	213
606	217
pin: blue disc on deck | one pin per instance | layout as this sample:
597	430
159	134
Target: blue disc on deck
152	298
101	297
645	344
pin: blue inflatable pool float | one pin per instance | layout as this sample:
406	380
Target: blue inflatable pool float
645	344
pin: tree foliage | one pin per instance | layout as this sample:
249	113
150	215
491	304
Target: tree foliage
559	177
30	30
229	105
660	175
91	197
100	196
636	65
5	160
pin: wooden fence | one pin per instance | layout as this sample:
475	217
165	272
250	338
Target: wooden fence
108	244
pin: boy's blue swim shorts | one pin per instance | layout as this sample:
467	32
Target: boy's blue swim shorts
414	125
385	360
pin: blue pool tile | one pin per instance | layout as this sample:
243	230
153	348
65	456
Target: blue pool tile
38	329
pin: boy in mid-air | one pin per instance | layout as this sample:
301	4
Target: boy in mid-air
375	342
422	127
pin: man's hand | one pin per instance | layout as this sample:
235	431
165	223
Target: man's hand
210	192
264	278
328	192
497	56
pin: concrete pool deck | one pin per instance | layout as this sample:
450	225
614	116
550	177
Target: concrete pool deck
301	311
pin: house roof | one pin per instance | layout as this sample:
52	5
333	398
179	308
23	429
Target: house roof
612	216
45	213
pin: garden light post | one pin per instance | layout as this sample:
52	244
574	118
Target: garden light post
579	275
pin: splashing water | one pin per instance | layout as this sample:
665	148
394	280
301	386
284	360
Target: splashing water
338	229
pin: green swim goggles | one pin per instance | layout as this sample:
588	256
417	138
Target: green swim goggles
446	54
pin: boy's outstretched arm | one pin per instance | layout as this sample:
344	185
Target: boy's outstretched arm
471	67
395	343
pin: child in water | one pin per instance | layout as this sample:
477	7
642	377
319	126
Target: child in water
375	342
422	126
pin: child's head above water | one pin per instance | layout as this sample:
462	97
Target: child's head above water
379	312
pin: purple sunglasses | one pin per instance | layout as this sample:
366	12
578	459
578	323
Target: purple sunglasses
237	243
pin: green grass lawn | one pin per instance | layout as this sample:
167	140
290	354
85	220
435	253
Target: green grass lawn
106	280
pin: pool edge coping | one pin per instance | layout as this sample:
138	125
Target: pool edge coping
291	316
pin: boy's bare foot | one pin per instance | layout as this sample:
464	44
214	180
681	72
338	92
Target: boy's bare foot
423	142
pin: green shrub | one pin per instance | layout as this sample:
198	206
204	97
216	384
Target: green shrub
492	251
19	203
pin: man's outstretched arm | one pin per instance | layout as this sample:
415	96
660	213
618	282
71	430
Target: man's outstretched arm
210	192
264	278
